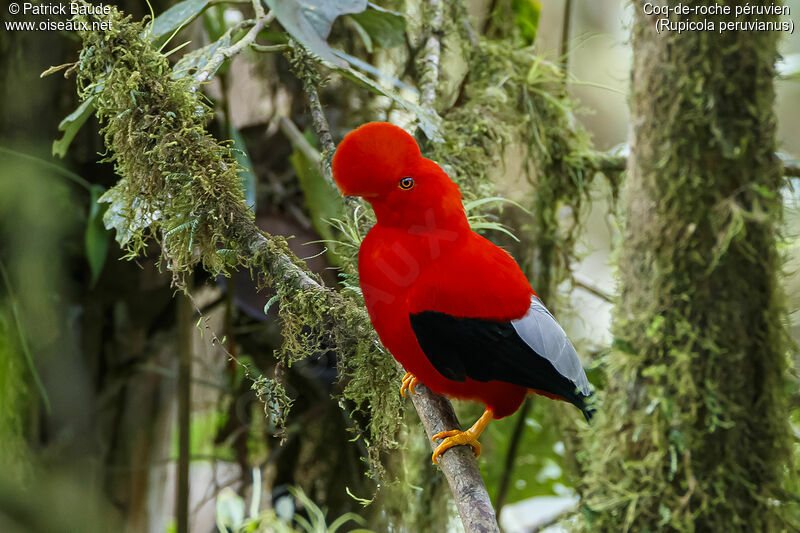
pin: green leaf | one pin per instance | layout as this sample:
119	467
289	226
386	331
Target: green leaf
526	17
367	40
117	217
477	203
322	200
70	126
385	27
175	17
496	226
246	164
369	69
97	236
309	21
429	122
198	59
214	22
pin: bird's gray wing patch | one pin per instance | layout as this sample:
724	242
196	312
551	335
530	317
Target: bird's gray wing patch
539	329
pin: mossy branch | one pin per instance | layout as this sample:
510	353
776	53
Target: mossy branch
181	187
436	413
609	162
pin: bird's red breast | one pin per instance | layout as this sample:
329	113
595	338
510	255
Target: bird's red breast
453	308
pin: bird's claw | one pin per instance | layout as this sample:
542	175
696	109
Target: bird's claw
455	437
409	383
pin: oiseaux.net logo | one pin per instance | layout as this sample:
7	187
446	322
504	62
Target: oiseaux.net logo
55	16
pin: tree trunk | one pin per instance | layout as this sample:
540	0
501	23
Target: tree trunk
692	434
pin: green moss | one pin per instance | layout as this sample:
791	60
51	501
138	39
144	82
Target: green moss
514	96
277	403
179	185
692	434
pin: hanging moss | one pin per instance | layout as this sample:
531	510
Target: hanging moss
180	187
515	96
178	184
692	434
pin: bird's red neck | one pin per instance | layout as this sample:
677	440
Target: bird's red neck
448	215
434	204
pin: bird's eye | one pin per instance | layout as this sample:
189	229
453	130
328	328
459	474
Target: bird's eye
406	183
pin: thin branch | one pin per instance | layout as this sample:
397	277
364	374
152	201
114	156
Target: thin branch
436	413
322	129
458	464
229	51
563	50
587	285
511	455
184	320
609	162
429	78
297	139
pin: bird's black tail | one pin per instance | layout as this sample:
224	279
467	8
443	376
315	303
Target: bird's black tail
586	407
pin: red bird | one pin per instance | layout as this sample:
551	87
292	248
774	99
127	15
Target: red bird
454	309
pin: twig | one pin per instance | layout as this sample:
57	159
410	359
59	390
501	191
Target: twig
588	286
429	78
436	413
184	321
229	51
511	455
608	162
458	464
295	137
322	129
563	50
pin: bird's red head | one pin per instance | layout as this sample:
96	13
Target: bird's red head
383	164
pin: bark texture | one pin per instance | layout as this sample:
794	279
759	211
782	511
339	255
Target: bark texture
458	464
692	434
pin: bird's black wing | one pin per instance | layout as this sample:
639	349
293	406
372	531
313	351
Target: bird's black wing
532	352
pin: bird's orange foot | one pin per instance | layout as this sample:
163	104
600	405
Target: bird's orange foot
456	437
452	438
409	382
